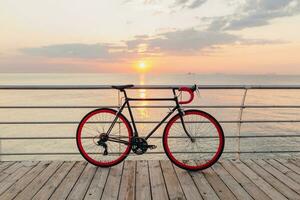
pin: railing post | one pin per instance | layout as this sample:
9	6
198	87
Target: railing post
0	149
119	124
238	156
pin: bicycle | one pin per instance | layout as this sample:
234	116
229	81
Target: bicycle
105	137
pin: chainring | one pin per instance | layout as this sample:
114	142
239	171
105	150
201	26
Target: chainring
139	145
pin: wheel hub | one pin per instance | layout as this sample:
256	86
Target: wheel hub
103	137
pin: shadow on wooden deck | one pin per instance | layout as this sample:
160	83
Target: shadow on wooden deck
227	179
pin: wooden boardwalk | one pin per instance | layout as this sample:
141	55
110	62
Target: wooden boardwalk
228	179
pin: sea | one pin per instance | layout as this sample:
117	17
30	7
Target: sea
250	147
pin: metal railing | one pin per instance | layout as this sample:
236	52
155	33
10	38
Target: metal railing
240	120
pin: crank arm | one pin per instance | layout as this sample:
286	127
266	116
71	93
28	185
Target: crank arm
152	146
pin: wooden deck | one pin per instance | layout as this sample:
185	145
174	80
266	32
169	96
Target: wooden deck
228	179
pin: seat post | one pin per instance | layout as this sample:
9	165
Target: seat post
125	94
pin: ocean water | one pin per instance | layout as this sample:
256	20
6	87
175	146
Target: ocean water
100	98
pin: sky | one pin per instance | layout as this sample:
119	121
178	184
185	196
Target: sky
160	36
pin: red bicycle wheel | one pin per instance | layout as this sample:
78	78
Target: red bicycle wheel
207	146
95	124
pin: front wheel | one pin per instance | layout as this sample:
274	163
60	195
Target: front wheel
205	147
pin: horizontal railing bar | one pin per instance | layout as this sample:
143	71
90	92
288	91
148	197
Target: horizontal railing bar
152	122
154	106
93	87
152	137
155	152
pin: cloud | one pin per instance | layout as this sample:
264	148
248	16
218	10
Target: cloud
70	50
255	13
191	4
172	42
102	51
183	42
196	4
191	41
252	13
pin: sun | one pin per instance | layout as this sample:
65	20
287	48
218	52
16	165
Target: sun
142	65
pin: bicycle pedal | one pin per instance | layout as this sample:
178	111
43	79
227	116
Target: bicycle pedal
152	147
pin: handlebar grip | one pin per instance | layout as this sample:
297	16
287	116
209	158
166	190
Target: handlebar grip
191	93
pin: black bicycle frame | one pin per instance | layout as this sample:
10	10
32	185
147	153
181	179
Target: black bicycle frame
126	103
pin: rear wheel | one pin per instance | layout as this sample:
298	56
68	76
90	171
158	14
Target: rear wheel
96	146
207	146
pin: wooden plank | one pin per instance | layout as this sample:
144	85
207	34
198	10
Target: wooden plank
290	165
218	185
158	187
286	191
295	161
63	190
205	189
246	183
24	181
187	184
127	186
38	182
82	184
46	191
256	179
9	170
279	175
285	170
112	185
97	185
143	186
231	183
171	180
11	179
5	165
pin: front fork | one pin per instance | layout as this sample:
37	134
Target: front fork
181	113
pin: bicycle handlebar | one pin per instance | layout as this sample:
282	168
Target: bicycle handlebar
191	93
